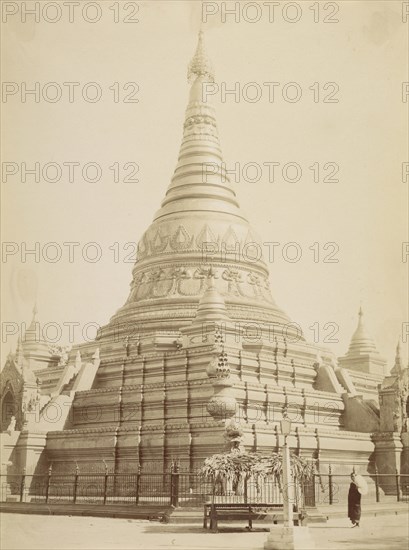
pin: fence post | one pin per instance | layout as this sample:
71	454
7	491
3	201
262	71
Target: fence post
138	484
105	484
313	488
330	488
174	485
245	488
397	486
177	479
22	484
317	483
77	470
172	465
47	489
376	484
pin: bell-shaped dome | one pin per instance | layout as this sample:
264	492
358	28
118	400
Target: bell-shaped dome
362	354
211	307
34	346
200	237
361	342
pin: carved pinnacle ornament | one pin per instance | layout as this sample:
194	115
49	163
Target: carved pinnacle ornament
200	64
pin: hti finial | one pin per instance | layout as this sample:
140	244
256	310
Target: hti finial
19	353
360	317
398	360
200	64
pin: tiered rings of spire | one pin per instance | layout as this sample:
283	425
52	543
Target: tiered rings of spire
200	236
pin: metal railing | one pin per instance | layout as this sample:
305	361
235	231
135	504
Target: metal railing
181	488
332	488
172	488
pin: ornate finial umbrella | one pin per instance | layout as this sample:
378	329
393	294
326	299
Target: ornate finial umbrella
200	64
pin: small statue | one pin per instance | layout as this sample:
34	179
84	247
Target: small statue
12	426
63	358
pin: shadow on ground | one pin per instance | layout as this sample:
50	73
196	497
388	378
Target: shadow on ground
160	528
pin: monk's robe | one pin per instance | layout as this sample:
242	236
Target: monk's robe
354	503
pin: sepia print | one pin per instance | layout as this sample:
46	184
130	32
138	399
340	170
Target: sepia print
204	275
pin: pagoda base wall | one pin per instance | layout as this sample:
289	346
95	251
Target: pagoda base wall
29	452
154	448
158	445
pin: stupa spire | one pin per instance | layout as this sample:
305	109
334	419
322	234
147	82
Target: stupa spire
360	319
200	233
397	368
32	326
398	357
200	182
211	306
32	332
361	342
19	353
200	64
33	343
362	353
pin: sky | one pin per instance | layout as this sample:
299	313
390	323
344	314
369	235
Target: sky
336	126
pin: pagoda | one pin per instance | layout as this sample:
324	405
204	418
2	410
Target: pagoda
200	342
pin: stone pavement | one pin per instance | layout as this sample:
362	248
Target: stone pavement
32	532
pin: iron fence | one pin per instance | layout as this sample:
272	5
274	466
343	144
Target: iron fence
333	488
180	488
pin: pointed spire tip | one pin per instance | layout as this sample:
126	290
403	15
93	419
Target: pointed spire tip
200	64
398	357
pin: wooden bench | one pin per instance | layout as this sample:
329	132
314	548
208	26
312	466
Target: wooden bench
250	512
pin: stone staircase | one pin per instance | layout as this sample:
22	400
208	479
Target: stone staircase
67	388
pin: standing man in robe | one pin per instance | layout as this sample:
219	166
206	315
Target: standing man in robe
354	502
